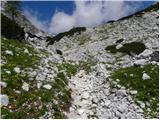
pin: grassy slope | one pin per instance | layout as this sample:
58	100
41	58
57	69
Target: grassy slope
148	90
22	105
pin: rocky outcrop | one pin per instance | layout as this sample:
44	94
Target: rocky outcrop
22	21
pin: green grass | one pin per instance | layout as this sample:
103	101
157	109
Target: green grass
22	105
148	90
86	65
82	65
128	48
69	68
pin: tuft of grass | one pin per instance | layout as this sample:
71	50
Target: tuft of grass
69	68
128	48
148	90
86	65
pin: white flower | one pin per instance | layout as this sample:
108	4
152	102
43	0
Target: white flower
140	62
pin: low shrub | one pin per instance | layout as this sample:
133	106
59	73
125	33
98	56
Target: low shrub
128	48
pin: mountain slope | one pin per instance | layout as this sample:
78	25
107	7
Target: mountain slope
110	71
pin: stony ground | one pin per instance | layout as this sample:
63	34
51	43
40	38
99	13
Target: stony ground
84	79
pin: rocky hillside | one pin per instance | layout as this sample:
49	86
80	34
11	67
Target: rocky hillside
109	71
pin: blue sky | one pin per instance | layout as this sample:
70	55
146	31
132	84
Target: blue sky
46	9
59	16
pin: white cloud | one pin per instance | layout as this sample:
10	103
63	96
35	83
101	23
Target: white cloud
61	22
86	13
33	18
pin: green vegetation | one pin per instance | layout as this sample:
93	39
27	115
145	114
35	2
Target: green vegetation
86	65
128	48
35	102
10	29
148	90
52	40
19	57
69	68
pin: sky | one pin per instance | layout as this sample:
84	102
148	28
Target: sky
59	16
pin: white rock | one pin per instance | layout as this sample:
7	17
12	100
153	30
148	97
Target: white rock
119	46
71	109
140	110
140	62
47	86
133	92
142	105
26	51
80	111
118	114
148	45
107	102
17	70
146	53
26	36
39	34
32	74
85	95
40	77
4	100
3	84
121	108
25	86
8	52
145	76
121	93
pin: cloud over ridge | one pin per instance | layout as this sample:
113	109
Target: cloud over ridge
86	13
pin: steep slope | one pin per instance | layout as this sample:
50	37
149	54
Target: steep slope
110	71
22	21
